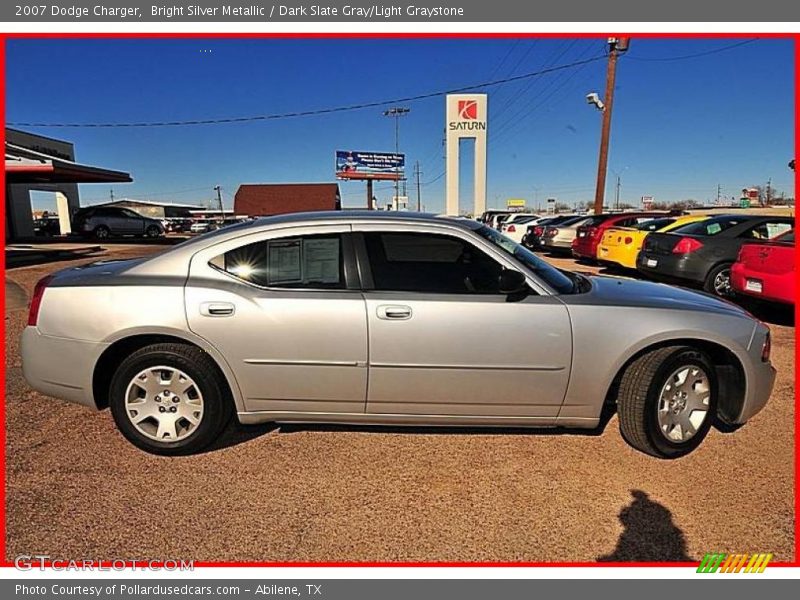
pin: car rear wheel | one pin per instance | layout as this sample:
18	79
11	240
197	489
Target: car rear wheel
667	401
718	281
101	232
152	231
169	399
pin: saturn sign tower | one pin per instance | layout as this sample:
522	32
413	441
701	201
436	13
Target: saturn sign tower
466	118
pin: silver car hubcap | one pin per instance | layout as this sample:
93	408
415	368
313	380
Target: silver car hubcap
722	283
164	404
102	233
684	403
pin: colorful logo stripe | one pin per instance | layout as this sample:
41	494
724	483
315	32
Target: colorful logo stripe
734	563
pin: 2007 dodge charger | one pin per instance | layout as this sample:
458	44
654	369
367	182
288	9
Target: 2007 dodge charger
386	318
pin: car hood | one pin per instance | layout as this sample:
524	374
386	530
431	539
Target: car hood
618	291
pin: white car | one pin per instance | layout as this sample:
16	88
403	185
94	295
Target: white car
516	228
203	226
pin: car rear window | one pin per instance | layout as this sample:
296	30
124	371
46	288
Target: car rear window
654	224
596	220
710	227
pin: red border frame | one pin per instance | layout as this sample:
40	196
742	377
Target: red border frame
446	35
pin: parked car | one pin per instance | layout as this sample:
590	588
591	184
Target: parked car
702	253
584	246
204	226
533	237
46	227
557	238
177	224
358	317
517	229
621	245
102	222
766	270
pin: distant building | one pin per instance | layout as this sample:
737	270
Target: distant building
39	163
266	199
155	210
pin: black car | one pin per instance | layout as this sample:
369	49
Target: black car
46	227
703	252
532	240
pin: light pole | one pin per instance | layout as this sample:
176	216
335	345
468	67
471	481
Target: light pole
618	186
218	189
396	112
615	47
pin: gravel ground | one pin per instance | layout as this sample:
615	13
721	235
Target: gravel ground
76	489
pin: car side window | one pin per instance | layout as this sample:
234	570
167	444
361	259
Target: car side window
432	263
767	230
307	262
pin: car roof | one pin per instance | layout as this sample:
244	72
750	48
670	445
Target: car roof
354	216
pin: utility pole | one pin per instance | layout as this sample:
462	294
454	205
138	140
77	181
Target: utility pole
719	192
219	199
616	195
615	47
112	194
769	191
418	174
396	112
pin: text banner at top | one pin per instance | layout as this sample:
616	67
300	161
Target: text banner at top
465	11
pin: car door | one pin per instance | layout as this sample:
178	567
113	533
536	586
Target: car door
442	339
131	222
285	311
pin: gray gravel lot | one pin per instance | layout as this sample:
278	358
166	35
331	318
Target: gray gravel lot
76	489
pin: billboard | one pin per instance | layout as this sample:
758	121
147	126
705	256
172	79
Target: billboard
369	165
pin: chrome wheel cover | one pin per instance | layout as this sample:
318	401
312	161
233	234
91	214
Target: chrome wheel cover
722	283
684	403
164	404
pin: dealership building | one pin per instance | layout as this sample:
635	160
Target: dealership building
266	199
43	164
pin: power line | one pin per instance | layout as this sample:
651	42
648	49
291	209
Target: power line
319	111
688	56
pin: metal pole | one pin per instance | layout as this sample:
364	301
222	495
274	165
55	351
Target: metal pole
369	195
417	172
219	199
602	163
616	197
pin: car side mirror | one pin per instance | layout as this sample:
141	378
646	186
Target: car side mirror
511	282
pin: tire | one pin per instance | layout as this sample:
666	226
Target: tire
101	232
152	232
718	281
207	401
640	393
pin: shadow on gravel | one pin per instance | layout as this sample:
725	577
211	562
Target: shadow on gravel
650	534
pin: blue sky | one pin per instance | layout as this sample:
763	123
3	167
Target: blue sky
680	126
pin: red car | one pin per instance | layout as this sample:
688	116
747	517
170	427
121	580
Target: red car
589	235
766	270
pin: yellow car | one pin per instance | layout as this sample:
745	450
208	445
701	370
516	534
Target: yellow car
621	245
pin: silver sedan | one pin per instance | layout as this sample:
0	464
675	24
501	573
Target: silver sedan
386	318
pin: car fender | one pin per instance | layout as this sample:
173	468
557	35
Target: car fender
192	338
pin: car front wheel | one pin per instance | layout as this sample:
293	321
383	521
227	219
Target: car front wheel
101	232
152	231
169	399
667	400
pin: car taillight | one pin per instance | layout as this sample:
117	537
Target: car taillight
629	240
551	232
537	230
591	231
36	300
687	245
766	348
511	229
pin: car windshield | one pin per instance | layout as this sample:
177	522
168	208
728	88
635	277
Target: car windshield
557	280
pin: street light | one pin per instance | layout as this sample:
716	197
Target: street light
218	189
396	112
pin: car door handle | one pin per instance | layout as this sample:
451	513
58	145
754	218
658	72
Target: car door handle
392	312
217	309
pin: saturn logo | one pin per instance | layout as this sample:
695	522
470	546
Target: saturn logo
468	110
